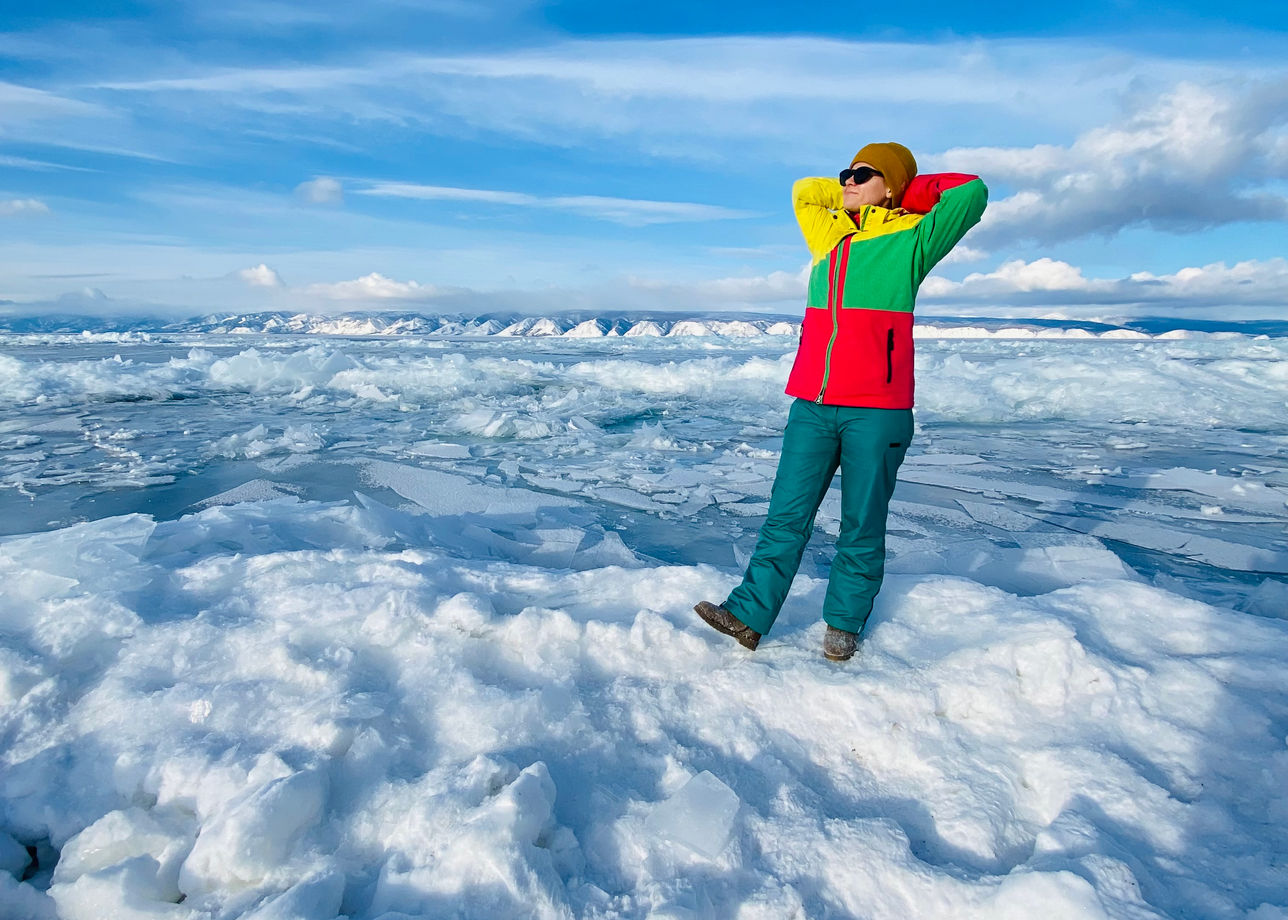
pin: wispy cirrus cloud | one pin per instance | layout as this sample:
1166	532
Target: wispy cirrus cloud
1169	143
630	211
725	70
781	97
39	165
62	119
36	116
26	103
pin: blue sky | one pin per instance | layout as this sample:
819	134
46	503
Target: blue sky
452	156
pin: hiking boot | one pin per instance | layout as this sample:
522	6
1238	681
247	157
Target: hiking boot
723	621
839	645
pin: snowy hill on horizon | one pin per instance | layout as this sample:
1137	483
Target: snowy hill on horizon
609	324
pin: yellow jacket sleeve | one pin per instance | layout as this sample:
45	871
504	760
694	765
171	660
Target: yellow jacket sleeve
821	214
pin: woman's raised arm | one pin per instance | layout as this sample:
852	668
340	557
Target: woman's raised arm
818	207
953	203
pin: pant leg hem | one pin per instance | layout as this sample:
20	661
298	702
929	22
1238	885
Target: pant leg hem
844	623
748	620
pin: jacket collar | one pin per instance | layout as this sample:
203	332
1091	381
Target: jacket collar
873	220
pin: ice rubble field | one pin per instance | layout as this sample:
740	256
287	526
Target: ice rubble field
401	628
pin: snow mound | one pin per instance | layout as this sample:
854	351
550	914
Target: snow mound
590	329
340	716
646	327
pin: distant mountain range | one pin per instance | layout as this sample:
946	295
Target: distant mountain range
394	324
581	325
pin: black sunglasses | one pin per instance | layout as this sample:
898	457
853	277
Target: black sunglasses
860	175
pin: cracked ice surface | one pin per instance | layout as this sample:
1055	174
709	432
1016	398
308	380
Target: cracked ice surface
402	628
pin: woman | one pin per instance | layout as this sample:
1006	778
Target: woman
874	236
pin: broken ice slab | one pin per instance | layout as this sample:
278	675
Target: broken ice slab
1270	599
254	490
445	450
14	857
700	816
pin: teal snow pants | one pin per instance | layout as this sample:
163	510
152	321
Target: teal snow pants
868	445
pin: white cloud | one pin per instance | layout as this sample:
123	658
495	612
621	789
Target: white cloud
962	253
16	207
1194	157
261	276
631	211
374	286
1039	275
1050	282
322	190
1249	282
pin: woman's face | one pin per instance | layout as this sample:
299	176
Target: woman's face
873	191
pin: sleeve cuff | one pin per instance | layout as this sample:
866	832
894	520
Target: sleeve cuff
924	190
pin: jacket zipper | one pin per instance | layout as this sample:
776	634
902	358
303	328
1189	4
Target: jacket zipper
889	355
835	290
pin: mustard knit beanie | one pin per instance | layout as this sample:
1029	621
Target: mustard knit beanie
896	163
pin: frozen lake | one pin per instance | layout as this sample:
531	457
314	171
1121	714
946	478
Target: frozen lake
401	627
1173	453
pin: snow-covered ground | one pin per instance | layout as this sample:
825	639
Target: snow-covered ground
400	627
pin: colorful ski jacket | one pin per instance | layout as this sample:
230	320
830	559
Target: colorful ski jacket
856	340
